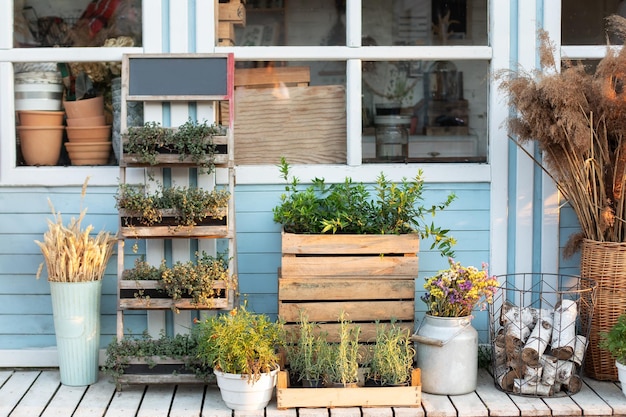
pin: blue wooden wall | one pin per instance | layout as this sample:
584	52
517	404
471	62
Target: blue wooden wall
25	308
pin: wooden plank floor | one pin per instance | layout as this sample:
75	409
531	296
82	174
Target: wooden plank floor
31	393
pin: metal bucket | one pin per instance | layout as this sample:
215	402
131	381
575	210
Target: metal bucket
447	354
76	311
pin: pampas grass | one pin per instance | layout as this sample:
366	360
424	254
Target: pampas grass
578	119
72	254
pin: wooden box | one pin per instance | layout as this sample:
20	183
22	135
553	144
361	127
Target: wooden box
145	295
306	125
210	227
233	12
409	396
369	277
158	371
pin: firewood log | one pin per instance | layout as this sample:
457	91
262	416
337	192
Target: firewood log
538	341
564	329
564	371
548	363
521	386
579	349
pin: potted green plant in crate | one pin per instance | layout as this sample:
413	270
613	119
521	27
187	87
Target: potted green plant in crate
308	353
241	347
392	356
75	261
342	242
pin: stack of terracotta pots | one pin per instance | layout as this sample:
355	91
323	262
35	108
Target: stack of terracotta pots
87	132
40	135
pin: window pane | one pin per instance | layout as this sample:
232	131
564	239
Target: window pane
583	21
77	23
424	111
293	23
425	22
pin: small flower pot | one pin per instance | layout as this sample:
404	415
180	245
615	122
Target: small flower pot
40	117
87	121
40	145
88	133
621	374
88	107
95	153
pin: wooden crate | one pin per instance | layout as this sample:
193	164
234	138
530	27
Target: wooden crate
409	396
131	227
369	277
233	12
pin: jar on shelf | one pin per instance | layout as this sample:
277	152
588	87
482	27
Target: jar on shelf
392	137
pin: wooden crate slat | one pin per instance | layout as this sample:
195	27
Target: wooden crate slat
350	266
345	289
233	12
154	303
135	160
293	243
409	396
356	311
368	330
169	231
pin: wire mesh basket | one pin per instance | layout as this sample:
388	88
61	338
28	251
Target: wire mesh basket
539	327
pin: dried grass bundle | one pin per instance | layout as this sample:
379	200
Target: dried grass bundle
70	253
578	119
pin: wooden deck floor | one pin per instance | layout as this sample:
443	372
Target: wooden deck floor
31	393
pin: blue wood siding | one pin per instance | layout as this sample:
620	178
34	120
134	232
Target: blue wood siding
25	307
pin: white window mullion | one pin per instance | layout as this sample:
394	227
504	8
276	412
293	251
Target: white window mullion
354	105
6	24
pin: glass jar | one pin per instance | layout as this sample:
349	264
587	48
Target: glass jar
392	138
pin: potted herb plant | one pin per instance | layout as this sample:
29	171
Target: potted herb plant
392	356
75	261
341	242
308	353
343	370
192	143
169	211
241	347
447	344
614	341
132	358
200	283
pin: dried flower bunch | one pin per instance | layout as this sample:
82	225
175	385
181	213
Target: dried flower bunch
578	119
456	291
71	253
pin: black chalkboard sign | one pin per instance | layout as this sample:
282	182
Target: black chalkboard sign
175	77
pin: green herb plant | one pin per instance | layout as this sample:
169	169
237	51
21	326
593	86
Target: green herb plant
309	354
393	354
615	340
120	353
193	279
345	356
191	205
240	342
192	138
348	207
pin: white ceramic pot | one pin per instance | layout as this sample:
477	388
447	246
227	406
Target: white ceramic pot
241	395
621	374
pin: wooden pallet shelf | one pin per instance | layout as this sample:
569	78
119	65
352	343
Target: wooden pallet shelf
146	295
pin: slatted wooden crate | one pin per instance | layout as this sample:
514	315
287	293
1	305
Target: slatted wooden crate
369	277
409	396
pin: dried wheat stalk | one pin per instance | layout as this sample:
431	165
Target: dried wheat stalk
579	122
72	254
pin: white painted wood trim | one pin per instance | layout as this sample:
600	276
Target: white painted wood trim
6	25
354	104
550	196
524	175
372	53
498	142
36	358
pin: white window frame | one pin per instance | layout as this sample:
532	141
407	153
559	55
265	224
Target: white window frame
352	54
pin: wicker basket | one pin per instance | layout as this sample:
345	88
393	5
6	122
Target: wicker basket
605	263
540	303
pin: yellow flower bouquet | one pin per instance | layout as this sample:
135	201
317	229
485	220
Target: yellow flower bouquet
456	291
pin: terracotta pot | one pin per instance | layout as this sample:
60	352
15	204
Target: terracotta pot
89	107
95	153
40	145
88	133
40	118
87	121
